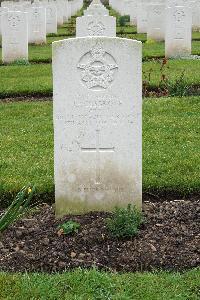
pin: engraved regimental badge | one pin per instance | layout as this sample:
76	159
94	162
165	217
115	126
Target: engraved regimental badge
97	68
14	20
96	28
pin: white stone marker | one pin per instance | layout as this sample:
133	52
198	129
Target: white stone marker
96	8
2	11
142	17
60	18
96	26
14	36
178	31
133	12
97	123
196	15
156	22
37	25
51	19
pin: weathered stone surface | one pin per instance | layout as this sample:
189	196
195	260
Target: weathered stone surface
178	31
37	25
51	19
142	16
14	36
156	22
96	26
97	123
96	8
2	11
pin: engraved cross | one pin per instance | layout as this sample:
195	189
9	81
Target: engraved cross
98	150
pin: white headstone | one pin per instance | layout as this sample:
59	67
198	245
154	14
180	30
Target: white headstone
97	86
178	31
2	11
133	12
129	7
60	14
156	22
96	8
37	25
14	36
51	18
95	26
66	11
142	17
196	15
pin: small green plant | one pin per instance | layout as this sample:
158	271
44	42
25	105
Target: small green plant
179	87
125	221
122	20
21	62
68	227
17	207
150	41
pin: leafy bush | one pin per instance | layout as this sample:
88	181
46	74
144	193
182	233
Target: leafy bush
179	87
125	222
18	207
123	19
21	62
69	227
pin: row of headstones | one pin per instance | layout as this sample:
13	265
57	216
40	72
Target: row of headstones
23	23
171	21
139	10
97	88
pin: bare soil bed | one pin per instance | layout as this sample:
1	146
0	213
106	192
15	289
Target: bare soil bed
168	240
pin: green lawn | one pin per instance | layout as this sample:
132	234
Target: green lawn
23	80
173	70
37	78
171	161
171	146
94	285
150	50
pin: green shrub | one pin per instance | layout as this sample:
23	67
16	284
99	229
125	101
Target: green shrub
122	20
21	62
68	227
18	207
179	87
125	222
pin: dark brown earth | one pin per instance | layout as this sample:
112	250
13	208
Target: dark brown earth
169	239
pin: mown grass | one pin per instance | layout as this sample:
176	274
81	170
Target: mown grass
173	70
157	49
171	146
39	53
93	285
25	80
36	79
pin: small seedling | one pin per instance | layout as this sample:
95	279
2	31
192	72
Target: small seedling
18	207
179	87
21	62
150	41
125	222
68	227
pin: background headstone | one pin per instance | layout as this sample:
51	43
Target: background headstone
178	31
142	16
51	18
14	36
96	26
156	22
37	25
2	11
